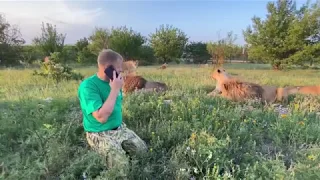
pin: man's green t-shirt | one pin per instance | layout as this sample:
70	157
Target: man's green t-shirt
92	93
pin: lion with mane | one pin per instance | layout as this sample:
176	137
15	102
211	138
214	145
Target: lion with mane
133	83
130	67
234	89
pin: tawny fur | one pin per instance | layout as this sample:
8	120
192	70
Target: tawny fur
163	66
313	90
130	67
133	83
220	75
237	90
284	92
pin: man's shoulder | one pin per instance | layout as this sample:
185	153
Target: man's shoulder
87	83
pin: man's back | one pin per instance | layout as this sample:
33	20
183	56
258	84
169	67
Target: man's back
92	93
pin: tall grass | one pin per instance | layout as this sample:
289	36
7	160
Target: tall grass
193	137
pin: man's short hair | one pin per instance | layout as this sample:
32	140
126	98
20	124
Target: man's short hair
108	56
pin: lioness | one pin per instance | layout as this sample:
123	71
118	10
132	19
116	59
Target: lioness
163	66
307	90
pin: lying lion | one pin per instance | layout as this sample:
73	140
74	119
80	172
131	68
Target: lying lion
237	90
134	83
163	66
307	90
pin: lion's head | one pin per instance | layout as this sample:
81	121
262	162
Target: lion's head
129	67
220	74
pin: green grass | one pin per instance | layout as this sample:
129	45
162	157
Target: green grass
195	136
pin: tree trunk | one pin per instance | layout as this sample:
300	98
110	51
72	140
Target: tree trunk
311	62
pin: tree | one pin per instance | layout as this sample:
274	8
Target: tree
287	36
56	71
222	48
146	55
126	42
69	53
10	43
50	40
197	51
168	43
84	56
304	34
99	40
236	52
82	44
229	45
29	54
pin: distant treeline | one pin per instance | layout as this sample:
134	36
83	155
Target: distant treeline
287	36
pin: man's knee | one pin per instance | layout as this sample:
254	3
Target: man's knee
134	144
90	141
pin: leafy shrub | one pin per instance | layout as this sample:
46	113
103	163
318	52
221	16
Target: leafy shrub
57	71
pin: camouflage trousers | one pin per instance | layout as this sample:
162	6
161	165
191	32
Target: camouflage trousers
114	144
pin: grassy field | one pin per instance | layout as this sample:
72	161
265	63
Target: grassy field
194	137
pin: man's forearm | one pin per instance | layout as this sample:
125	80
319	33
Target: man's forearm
107	108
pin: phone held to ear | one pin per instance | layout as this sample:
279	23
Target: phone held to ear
109	72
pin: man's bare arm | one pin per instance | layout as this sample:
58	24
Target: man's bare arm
106	109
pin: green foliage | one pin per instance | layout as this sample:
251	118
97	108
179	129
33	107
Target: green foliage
84	55
168	43
10	43
146	55
50	40
69	53
286	35
82	44
55	70
194	136
30	54
202	152
223	48
126	42
236	52
99	40
197	51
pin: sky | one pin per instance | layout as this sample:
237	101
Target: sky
200	20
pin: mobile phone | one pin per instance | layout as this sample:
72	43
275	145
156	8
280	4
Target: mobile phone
109	72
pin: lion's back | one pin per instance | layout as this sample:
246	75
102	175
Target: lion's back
238	90
133	82
157	86
315	90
